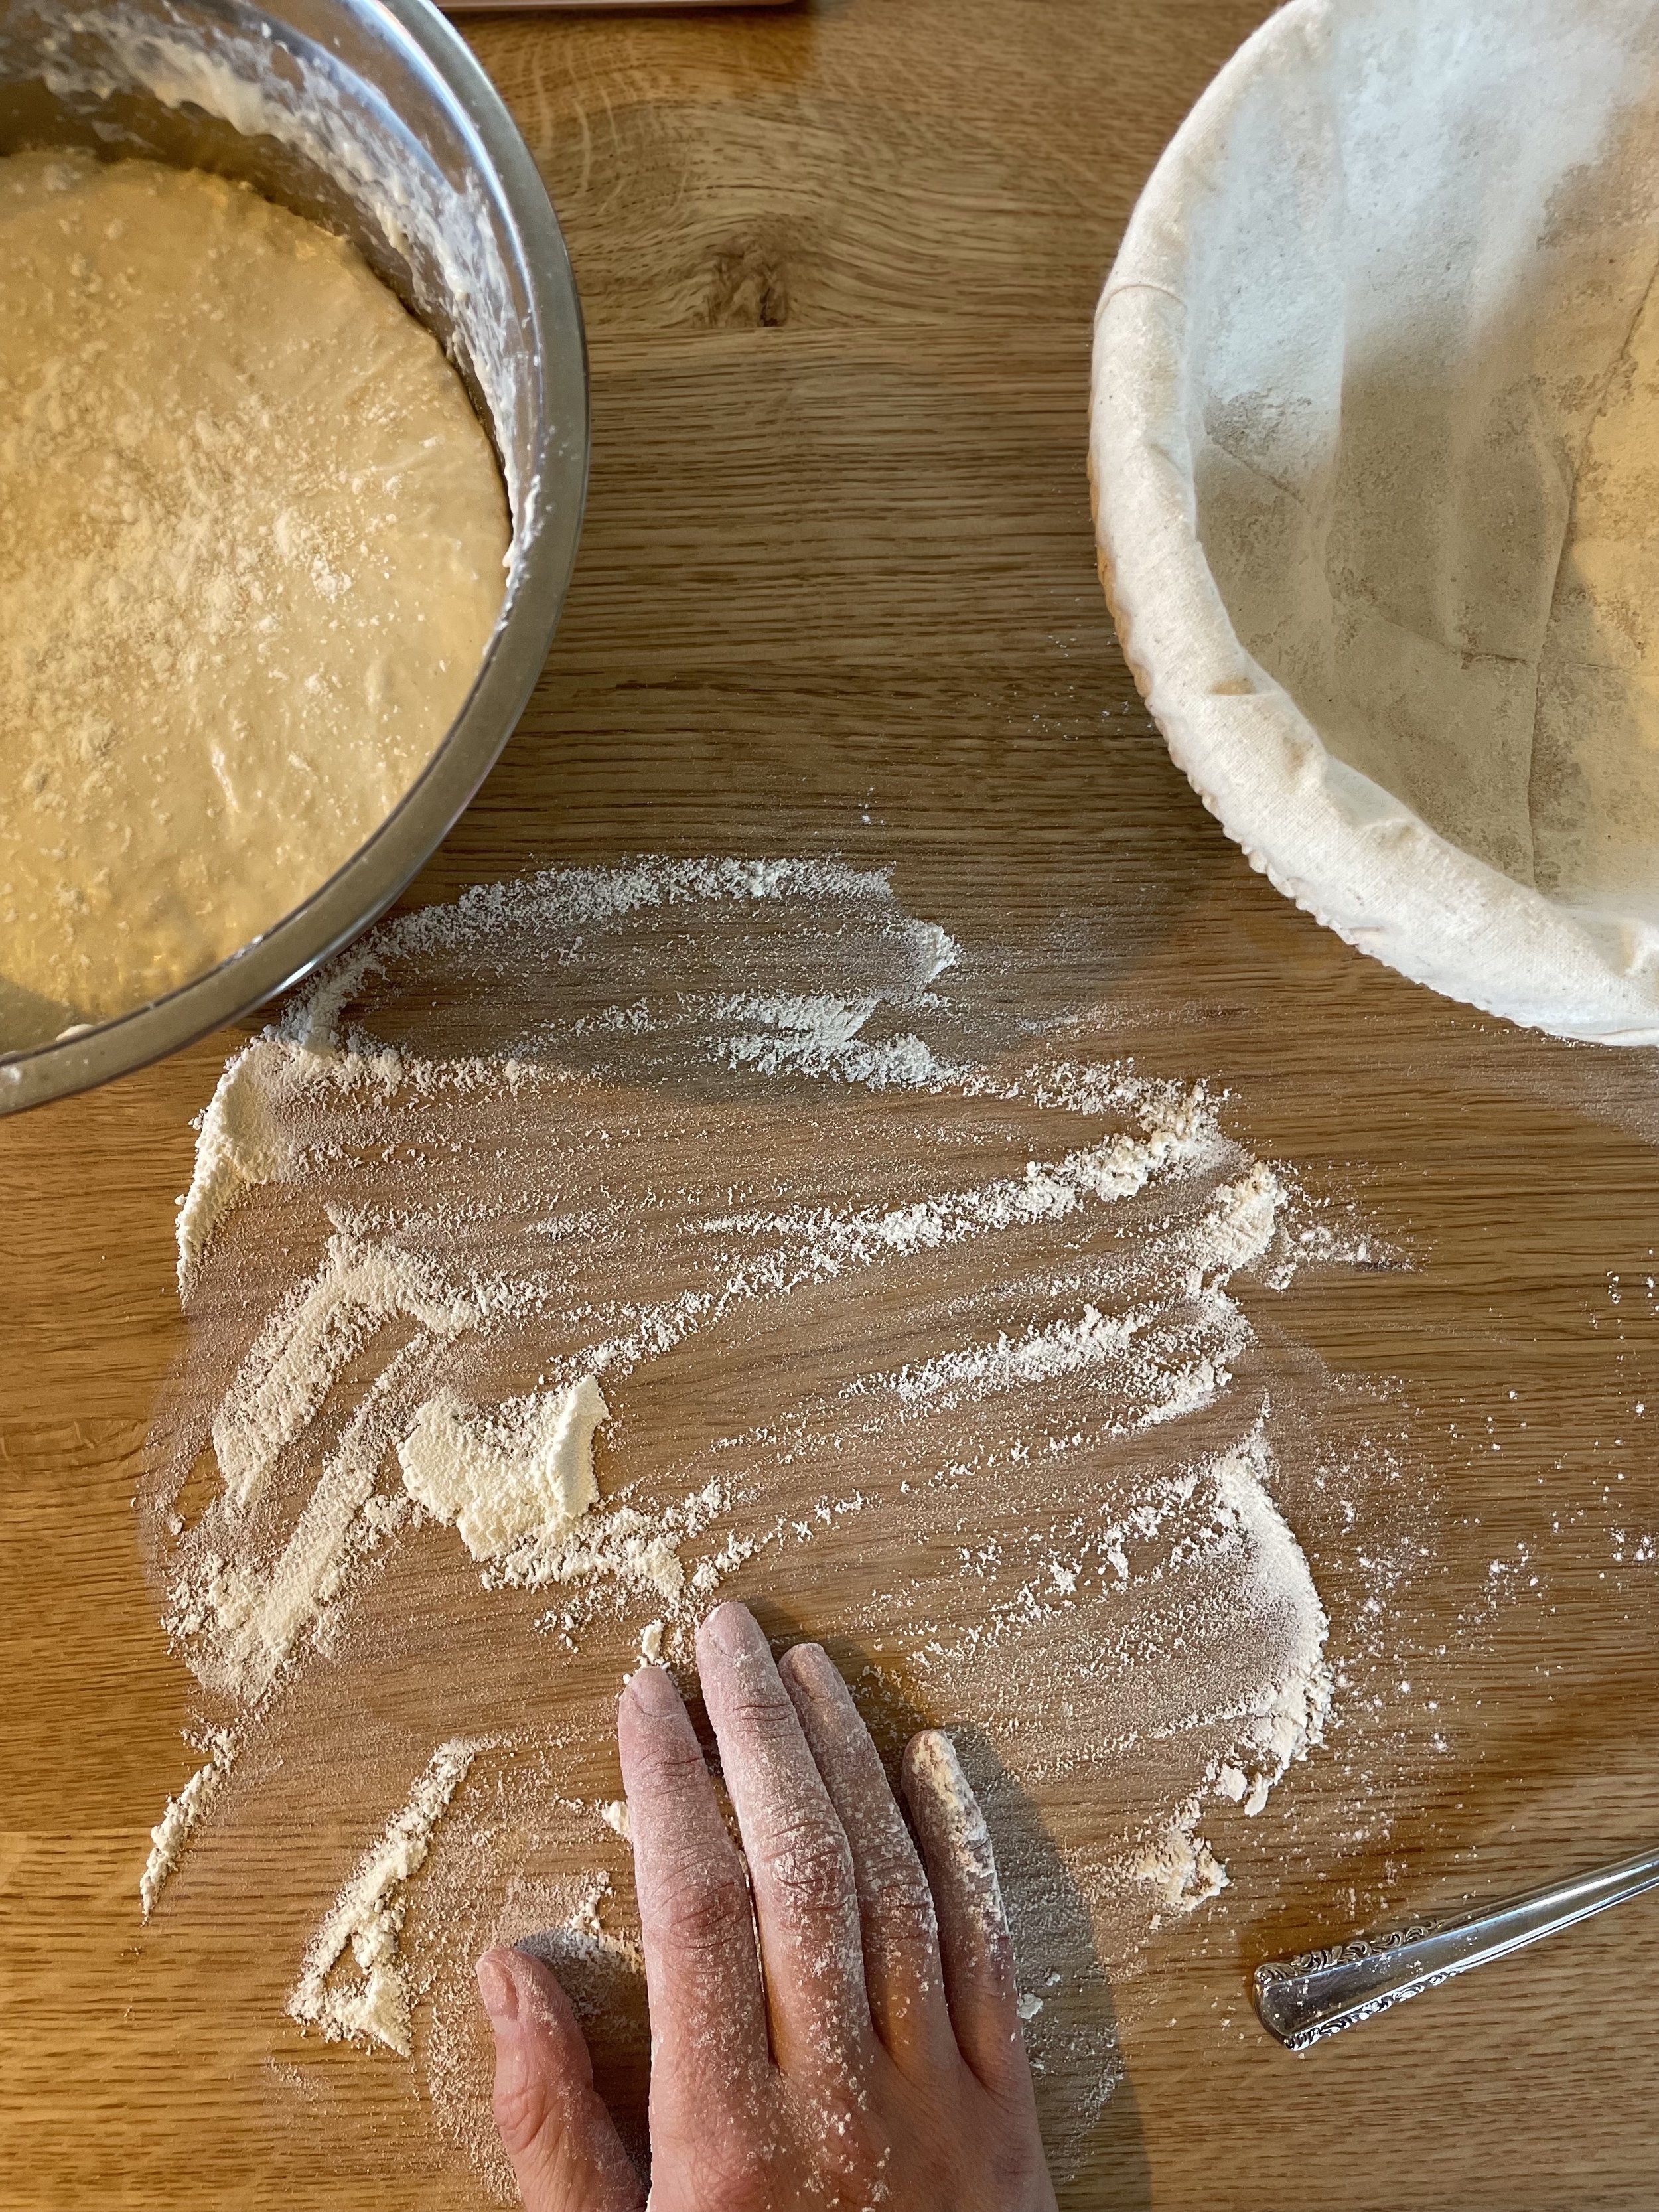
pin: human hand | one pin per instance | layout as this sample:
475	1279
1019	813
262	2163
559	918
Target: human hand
867	2052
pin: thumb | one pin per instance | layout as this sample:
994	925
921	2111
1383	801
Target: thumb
563	2143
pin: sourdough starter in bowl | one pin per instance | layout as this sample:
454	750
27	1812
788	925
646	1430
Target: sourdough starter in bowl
254	550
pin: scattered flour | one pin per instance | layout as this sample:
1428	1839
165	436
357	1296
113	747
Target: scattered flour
526	1475
239	1145
707	1152
367	1919
309	1341
1178	1866
169	1838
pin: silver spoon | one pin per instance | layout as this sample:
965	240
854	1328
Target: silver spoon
1303	2000
587	7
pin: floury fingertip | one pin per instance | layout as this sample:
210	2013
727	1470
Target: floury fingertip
732	1628
653	1691
498	1990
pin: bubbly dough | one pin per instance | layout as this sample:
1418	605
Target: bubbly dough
253	547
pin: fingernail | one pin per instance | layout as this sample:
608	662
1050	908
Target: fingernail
811	1666
499	1990
732	1628
653	1691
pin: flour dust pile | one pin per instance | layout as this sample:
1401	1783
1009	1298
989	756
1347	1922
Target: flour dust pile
614	1241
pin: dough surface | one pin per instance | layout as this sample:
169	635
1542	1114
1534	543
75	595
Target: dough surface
253	550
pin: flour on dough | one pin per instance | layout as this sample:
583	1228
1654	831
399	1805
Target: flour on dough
254	551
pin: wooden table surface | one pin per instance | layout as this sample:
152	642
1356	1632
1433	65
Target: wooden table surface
836	595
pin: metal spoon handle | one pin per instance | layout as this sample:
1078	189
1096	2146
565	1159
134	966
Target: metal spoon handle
1303	2000
609	7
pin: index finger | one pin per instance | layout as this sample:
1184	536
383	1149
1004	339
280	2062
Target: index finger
697	1926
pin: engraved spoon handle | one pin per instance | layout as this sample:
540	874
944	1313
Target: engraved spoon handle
555	7
1303	2000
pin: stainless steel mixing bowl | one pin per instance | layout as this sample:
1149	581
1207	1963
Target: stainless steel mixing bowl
373	117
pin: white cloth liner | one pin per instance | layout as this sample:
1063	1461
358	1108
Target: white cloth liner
1376	485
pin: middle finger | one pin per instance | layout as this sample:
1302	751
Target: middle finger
800	1866
902	1968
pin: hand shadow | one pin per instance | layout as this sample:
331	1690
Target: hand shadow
607	1993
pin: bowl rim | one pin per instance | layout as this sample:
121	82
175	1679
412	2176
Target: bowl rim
1337	843
543	559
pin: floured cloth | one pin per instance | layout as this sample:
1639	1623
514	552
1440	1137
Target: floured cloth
1376	449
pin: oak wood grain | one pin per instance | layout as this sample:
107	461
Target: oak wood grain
837	594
